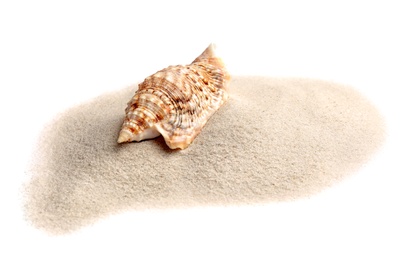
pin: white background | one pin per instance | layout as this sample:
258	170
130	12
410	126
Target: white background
54	55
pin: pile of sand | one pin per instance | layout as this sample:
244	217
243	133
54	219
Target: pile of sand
275	139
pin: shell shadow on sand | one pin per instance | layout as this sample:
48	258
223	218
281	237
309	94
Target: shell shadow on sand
274	140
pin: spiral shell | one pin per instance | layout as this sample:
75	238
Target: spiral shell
177	101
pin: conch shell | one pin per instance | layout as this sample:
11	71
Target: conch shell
177	101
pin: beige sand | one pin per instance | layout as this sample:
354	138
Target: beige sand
275	140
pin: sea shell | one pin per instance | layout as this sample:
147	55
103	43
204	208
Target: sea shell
177	101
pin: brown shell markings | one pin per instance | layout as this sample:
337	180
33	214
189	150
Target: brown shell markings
177	101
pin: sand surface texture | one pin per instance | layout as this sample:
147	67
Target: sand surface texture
274	140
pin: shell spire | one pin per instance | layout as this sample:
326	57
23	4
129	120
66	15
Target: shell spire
177	101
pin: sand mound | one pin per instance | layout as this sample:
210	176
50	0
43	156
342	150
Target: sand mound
275	139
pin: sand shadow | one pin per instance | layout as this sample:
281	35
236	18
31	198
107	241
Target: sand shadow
275	139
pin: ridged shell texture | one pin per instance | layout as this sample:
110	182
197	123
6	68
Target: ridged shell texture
177	101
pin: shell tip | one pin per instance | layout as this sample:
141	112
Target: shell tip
208	53
123	137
